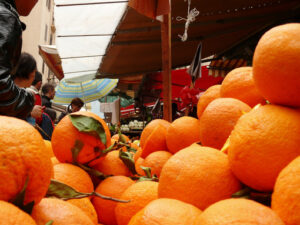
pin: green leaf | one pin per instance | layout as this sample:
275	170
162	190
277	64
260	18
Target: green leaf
89	125
19	199
63	191
49	222
153	178
243	193
128	160
121	137
93	172
147	171
76	149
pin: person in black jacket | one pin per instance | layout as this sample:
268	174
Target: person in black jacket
14	101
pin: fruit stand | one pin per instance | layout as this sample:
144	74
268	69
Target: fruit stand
237	163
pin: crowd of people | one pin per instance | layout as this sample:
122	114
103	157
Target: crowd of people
20	82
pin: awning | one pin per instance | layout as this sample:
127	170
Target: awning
83	30
136	46
220	68
51	58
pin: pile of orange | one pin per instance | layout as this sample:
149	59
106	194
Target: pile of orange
246	135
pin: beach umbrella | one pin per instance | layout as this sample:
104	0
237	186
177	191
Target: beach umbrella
88	91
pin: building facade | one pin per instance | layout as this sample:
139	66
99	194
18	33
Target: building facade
40	30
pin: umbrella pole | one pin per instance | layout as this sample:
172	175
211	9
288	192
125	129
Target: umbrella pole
83	96
167	66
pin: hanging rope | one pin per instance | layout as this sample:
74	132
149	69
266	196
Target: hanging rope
191	17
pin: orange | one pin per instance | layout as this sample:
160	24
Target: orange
286	195
239	84
218	120
138	163
87	207
276	65
262	143
22	157
207	97
139	194
153	137
60	212
73	176
65	136
49	147
156	141
11	215
113	187
111	164
238	212
149	129
183	132
199	176
116	137
166	212
156	161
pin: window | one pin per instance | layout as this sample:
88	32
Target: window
49	4
46	32
51	39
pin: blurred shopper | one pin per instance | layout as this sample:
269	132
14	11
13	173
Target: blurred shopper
14	101
75	106
23	77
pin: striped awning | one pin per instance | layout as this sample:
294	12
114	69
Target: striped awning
219	68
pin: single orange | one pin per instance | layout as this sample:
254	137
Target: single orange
183	132
207	97
276	65
238	212
263	142
286	195
156	161
199	176
65	136
23	157
87	207
139	194
11	215
166	211
113	187
153	137
239	84
117	138
111	164
149	129
60	212
156	141
73	176
218	120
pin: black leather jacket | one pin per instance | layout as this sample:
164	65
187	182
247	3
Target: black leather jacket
14	101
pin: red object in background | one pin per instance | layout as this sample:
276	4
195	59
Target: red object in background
180	79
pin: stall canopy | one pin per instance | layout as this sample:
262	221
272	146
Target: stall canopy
84	28
50	55
220	26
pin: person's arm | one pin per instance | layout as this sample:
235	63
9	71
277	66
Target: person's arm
14	101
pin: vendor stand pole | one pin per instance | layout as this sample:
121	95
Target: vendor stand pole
166	66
